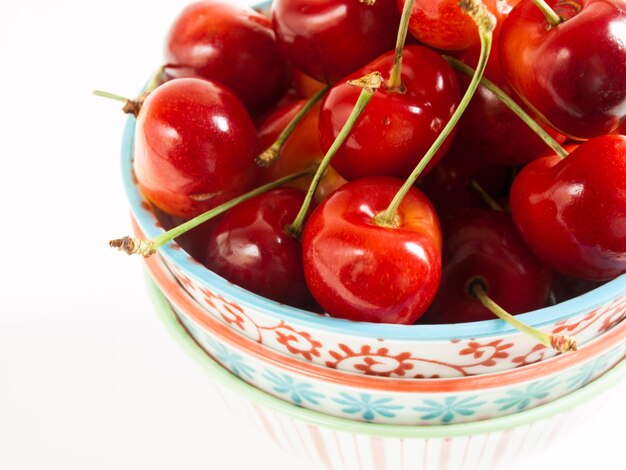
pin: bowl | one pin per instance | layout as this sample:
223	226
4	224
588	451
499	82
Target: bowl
330	442
401	351
424	402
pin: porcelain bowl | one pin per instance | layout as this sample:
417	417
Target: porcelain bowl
358	397
330	442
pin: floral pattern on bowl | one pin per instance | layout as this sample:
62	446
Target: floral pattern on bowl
387	400
413	409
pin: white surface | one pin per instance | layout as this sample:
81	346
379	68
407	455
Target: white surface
89	379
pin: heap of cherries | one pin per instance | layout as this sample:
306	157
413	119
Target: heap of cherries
393	161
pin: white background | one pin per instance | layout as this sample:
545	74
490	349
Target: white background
89	379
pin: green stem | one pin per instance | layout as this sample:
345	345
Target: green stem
486	197
111	96
130	106
512	105
271	154
147	248
486	23
395	79
548	12
369	84
561	343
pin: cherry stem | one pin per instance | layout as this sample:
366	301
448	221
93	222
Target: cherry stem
394	84
146	248
560	343
134	106
368	84
512	105
491	202
548	12
111	96
272	153
486	23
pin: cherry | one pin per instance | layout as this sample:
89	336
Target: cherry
572	72
443	25
329	39
572	212
358	270
231	44
397	128
250	247
194	147
484	245
490	128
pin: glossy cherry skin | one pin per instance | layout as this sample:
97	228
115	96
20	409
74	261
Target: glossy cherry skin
490	128
329	39
360	271
251	248
194	147
231	44
572	75
484	244
572	212
443	25
396	129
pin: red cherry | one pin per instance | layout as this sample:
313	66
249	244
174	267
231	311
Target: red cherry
231	44
250	247
443	25
194	147
358	270
396	129
329	39
483	245
573	74
490	128
572	212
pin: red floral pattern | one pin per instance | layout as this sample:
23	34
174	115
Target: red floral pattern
536	354
297	342
392	361
370	362
497	349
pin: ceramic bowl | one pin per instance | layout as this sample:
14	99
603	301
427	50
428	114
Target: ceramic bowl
329	442
401	351
385	400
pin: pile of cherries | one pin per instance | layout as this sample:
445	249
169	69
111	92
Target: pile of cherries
243	101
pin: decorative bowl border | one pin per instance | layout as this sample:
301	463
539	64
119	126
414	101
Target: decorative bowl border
385	400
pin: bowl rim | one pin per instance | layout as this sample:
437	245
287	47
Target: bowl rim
182	301
544	317
222	376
